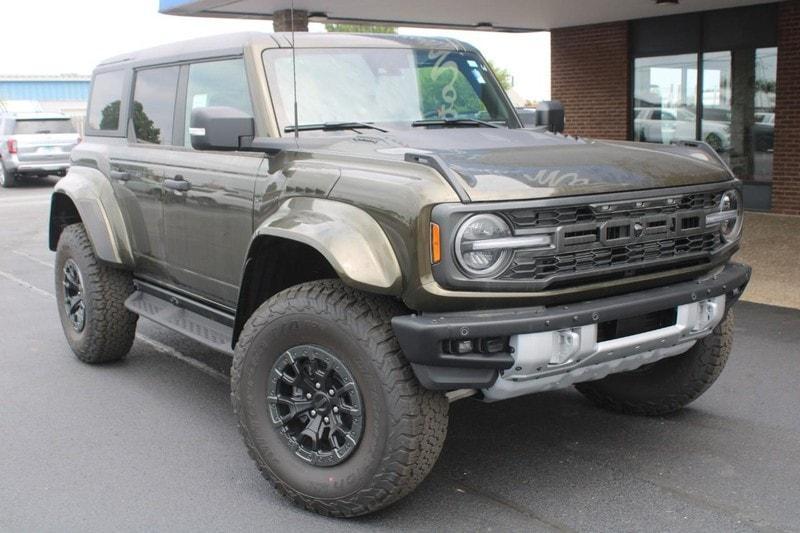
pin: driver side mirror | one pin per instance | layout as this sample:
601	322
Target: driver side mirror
221	128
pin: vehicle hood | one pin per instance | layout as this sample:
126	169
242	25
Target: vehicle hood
514	164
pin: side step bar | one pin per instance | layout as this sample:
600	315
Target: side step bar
199	322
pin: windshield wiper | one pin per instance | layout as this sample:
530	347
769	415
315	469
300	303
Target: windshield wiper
453	122
333	126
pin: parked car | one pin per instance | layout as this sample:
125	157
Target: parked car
764	132
34	145
399	243
660	125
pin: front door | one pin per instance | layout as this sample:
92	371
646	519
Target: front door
208	196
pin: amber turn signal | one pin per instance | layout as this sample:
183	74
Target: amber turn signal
436	244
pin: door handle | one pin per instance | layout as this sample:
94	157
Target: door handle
177	183
119	175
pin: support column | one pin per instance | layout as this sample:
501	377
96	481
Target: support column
786	165
590	76
743	113
282	20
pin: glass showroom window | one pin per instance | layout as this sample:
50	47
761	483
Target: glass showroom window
665	98
737	105
763	129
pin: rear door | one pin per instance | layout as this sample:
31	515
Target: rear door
138	166
208	196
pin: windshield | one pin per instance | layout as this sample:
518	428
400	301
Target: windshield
379	85
26	127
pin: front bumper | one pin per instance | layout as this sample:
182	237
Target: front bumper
423	338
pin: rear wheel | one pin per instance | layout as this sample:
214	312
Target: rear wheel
328	406
91	300
7	179
667	385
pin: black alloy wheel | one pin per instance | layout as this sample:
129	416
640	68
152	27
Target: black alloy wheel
74	305
315	403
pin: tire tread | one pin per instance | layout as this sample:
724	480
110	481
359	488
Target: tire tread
418	416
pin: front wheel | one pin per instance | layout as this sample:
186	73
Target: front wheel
328	406
668	385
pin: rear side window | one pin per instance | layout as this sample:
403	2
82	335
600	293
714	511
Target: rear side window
216	83
33	127
106	100
154	104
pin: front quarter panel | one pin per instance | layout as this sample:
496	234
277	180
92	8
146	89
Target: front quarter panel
350	239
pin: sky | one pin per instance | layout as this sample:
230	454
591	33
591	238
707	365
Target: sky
61	36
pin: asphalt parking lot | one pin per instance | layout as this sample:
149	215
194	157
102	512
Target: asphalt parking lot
151	443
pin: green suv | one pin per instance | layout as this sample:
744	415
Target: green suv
364	225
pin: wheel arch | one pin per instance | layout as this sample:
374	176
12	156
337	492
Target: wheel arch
86	196
309	239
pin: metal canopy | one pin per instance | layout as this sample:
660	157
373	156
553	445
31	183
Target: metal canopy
498	15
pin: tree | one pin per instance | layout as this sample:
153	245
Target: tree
360	28
503	76
144	127
109	116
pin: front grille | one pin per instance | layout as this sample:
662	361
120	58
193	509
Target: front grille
525	265
610	239
528	218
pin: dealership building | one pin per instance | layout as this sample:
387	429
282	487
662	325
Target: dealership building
726	72
61	93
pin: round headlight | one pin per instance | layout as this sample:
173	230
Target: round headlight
731	228
482	260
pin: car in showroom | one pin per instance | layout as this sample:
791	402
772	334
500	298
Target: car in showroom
665	125
364	225
35	145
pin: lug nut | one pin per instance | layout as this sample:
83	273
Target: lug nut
308	396
326	419
313	412
335	409
317	385
331	392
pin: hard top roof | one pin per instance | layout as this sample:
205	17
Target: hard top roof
234	43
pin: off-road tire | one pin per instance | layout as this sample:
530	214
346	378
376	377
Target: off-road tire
668	385
109	328
7	179
404	424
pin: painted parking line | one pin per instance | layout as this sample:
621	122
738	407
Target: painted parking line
156	345
12	205
32	258
23	283
30	197
169	350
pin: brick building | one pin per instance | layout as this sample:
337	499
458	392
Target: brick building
722	71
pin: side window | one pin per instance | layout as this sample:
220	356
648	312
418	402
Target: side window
105	101
154	104
216	83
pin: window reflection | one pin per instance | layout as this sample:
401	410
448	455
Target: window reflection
717	92
665	97
737	105
763	130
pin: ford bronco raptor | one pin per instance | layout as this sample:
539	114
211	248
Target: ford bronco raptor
362	222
